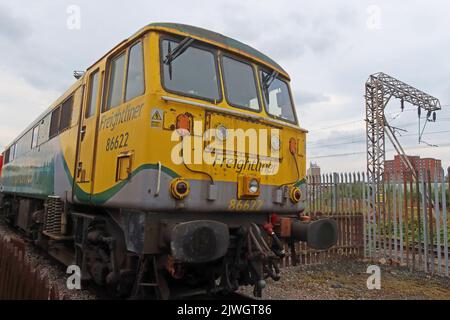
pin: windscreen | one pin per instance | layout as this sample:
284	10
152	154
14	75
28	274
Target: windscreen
192	73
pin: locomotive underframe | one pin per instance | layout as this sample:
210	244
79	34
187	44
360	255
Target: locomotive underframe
139	262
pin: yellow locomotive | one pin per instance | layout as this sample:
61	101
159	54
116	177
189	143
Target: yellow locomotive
175	162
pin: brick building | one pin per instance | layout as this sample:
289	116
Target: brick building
394	169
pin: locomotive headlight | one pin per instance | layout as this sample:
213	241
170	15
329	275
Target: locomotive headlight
253	186
249	187
275	143
222	132
295	195
179	189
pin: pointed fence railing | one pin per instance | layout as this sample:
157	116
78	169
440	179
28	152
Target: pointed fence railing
408	226
19	278
340	196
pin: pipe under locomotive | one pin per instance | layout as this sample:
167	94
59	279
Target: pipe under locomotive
96	182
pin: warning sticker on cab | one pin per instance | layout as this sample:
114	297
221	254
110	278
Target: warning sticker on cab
157	117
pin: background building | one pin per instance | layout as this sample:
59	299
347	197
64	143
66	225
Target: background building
395	169
313	170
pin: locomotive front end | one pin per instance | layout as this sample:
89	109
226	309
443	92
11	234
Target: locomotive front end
240	195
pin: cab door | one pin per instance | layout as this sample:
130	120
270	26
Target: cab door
88	135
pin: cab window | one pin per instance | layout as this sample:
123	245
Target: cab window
277	97
116	81
134	85
193	73
93	94
135	74
240	84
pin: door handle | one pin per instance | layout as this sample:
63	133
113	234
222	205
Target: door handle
83	132
79	168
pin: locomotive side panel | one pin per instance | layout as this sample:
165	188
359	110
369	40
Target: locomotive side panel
121	130
32	174
37	168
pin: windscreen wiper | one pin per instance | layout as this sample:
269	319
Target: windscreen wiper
179	50
268	80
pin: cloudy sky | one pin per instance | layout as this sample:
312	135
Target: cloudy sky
328	47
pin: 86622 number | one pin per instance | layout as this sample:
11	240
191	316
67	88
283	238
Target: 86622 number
120	141
245	205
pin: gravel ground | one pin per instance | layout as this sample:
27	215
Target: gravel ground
346	280
52	269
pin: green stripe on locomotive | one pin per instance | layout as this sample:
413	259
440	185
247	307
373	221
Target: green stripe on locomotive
102	197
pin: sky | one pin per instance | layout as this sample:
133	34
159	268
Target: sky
329	48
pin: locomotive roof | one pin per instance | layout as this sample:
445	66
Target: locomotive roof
218	38
184	29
